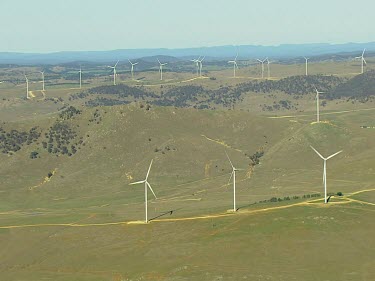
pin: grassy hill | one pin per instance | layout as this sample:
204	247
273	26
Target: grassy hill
67	211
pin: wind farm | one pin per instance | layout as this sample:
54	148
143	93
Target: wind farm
182	142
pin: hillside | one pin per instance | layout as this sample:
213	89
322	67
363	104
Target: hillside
95	153
68	213
360	87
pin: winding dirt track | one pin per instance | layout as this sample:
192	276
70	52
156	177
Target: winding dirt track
327	113
315	202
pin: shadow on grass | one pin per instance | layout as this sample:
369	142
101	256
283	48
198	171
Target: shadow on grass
164	214
245	206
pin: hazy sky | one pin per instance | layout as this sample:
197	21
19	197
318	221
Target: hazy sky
72	25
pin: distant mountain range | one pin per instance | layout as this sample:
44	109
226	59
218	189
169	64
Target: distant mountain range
286	51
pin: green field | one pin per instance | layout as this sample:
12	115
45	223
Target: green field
82	223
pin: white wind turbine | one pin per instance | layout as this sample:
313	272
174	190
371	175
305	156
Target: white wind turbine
42	72
262	62
80	77
27	87
200	66
233	174
196	61
306	65
317	105
147	186
114	72
234	65
325	170
161	69
132	69
363	61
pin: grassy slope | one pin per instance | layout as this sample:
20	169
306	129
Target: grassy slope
92	187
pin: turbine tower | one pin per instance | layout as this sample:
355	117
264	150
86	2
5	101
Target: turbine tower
27	87
80	77
132	69
233	174
363	61
268	68
147	186
317	105
114	72
42	72
161	69
325	171
234	65
262	62
200	66
306	65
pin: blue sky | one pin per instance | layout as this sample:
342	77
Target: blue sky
71	25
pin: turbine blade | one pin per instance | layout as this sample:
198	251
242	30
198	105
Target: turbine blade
116	63
231	175
149	168
229	160
317	153
364	60
329	157
137	182
149	186
159	61
364	50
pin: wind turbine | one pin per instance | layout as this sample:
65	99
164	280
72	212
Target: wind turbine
262	62
132	69
325	170
363	61
80	77
147	186
42	72
161	69
196	61
27	87
317	104
306	59
234	170
234	65
114	72
200	66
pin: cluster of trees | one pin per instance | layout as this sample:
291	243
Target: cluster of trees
298	85
97	117
255	158
69	112
287	198
100	101
360	87
60	139
202	98
122	91
198	97
80	95
13	140
55	100
166	149
282	104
